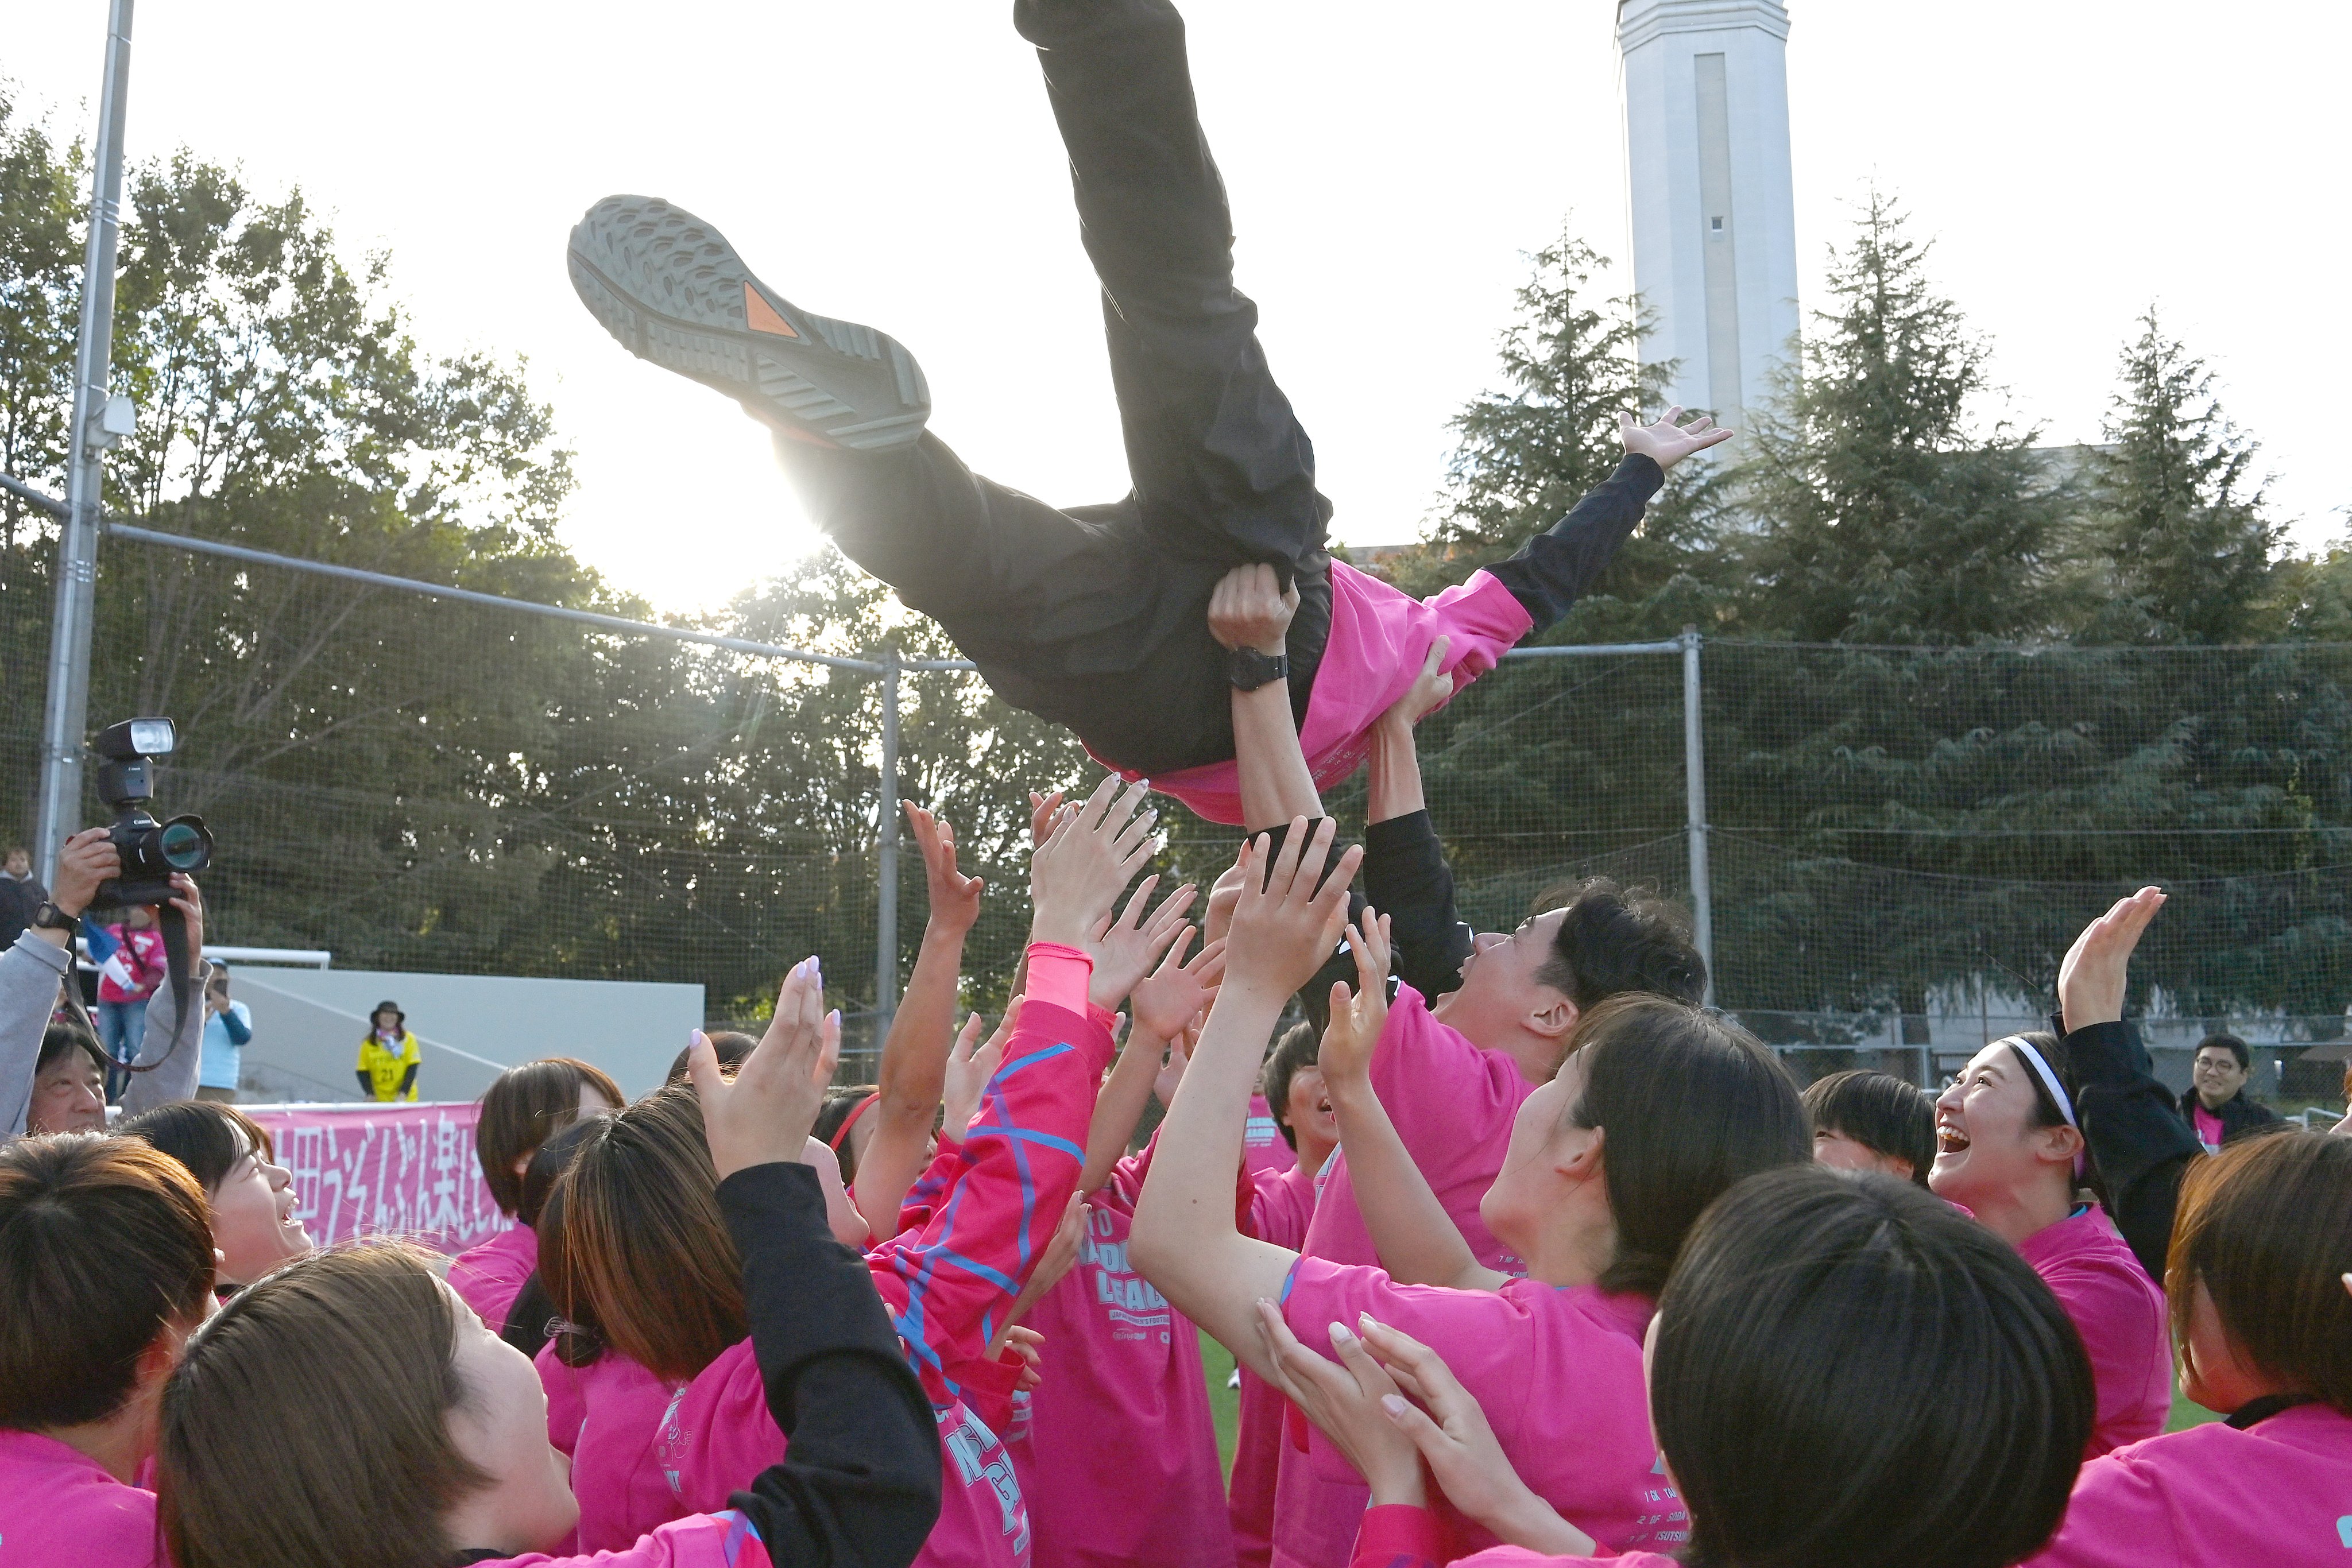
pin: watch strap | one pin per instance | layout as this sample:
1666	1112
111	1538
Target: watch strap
1248	669
50	915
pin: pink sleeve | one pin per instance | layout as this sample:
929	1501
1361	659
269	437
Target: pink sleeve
2117	1518
947	1286
1058	977
700	1540
1486	621
1482	1334
1447	1099
1398	1535
2120	1315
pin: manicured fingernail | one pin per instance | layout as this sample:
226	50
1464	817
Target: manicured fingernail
834	1017
1340	1335
1392	1404
817	970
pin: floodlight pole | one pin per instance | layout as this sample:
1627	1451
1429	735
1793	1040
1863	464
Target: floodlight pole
1695	809
68	711
885	918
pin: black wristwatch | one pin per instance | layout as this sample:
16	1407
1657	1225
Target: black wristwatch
1248	669
48	914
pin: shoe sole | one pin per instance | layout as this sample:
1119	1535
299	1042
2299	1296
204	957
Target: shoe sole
671	288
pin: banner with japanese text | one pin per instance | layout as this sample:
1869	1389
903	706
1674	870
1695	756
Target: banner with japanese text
363	1171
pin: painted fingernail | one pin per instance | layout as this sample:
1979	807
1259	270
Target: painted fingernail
1392	1404
1341	1334
817	970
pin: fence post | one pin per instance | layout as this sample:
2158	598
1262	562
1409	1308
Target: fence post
885	918
1694	808
66	715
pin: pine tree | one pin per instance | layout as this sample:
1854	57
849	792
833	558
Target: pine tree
2178	548
1570	361
1880	515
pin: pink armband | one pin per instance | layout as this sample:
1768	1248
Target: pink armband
1058	977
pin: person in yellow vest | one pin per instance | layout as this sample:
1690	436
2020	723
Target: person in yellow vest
388	1056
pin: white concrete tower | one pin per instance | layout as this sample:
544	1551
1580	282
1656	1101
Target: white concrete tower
1706	87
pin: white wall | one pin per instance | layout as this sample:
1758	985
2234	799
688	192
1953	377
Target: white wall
307	1025
1671	177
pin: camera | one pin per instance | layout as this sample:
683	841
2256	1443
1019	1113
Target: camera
150	851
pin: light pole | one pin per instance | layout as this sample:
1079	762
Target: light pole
97	421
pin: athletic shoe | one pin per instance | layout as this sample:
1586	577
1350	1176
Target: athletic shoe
671	288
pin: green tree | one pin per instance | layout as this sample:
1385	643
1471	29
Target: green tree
2178	548
1880	513
39	296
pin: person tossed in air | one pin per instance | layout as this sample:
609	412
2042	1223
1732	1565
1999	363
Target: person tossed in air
1094	617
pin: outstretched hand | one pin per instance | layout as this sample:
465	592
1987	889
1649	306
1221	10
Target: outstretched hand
1124	949
1283	927
971	1064
2091	980
1358	1017
764	1114
1076	874
955	897
1347	1402
1665	443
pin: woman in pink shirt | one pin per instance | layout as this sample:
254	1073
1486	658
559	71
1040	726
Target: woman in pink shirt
2009	1150
1657	1108
351	1411
1843	1373
2262	1257
521	1109
106	1267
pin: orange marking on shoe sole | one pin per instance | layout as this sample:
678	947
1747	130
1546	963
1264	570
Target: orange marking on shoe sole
763	317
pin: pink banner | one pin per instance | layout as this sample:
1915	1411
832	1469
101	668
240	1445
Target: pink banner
385	1170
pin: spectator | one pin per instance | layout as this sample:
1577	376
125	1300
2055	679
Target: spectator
128	976
2215	1104
20	895
388	1056
32	970
227	1027
69	1083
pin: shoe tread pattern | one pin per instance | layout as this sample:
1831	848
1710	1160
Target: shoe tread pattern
670	288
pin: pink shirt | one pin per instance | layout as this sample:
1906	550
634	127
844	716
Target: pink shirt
1280	1206
1379	638
1122	1449
489	1277
59	1509
1558	1373
2209	1131
2120	1315
1263	1148
706	1541
142	955
1452	1104
1397	1536
2278	1494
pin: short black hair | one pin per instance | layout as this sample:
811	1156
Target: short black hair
1849	1371
1880	1111
1616	940
730	1045
1300	1046
61	1037
205	1135
2230	1043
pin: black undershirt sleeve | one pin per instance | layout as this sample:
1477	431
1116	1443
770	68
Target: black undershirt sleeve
1560	565
1407	878
859	1484
2136	1134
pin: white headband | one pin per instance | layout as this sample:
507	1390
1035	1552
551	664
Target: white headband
2040	1065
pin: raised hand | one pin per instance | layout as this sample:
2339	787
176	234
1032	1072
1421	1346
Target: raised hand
1666	443
88	859
1283	927
1429	689
1358	1017
970	1066
955	897
1124	949
1172	996
1225	896
1250	609
1074	876
1347	1402
2091	980
1453	1437
764	1116
1044	811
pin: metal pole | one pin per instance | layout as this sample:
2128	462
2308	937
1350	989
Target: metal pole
68	711
1695	809
885	919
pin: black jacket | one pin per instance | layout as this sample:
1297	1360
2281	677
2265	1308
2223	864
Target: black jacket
18	902
2238	1115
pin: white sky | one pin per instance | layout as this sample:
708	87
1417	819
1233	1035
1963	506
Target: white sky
895	162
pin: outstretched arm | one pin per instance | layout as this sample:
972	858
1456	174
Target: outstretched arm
1160	1007
1250	609
915	1057
1418	1241
1405	872
1185	1242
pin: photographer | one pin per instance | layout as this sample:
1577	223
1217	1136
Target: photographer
42	958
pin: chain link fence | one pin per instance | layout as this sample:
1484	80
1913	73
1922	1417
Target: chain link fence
1896	844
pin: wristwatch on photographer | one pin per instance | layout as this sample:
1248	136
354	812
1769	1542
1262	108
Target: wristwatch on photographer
48	914
1248	669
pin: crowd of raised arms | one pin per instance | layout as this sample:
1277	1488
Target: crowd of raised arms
1524	1255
